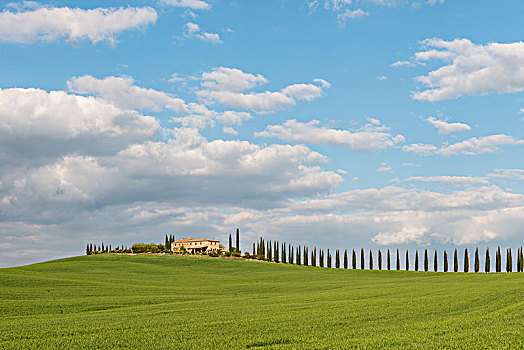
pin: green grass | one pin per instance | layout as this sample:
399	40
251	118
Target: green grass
165	302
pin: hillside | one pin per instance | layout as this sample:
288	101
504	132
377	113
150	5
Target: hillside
164	302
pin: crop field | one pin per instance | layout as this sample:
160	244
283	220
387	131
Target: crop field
166	302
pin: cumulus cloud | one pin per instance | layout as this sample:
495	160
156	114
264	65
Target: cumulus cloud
472	146
444	128
479	145
231	79
193	31
124	93
36	122
188	170
229	130
471	69
369	137
192	4
459	181
72	24
228	86
516	174
233	117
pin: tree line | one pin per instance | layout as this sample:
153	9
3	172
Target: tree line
391	260
135	248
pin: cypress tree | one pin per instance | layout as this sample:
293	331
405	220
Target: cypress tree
328	259
103	249
389	261
230	246
398	260
435	261
284	256
426	263
238	241
487	266
321	258
507	260
466	260
269	251
306	255
277	257
477	262
455	261
354	260
407	260
416	260
253	248
337	259
445	261
314	257
90	248
166	241
110	248
370	260
346	259
291	257
521	258
362	259
87	250
498	261
518	259
379	260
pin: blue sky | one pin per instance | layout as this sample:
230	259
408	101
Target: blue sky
340	124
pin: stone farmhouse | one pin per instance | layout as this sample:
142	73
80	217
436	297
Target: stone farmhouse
196	245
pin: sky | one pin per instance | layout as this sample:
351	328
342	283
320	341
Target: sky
329	123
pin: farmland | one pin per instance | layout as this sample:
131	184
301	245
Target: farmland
164	302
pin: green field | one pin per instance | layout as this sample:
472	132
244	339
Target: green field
165	302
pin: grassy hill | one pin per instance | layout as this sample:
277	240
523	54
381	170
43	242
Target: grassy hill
164	302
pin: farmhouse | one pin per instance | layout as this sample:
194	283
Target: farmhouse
198	245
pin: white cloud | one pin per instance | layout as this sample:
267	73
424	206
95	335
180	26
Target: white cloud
445	128
192	4
369	137
479	145
406	234
459	181
382	78
472	146
385	168
229	130
233	117
343	17
193	31
307	92
231	79
72	24
471	69
188	171
122	92
402	63
517	174
420	148
226	86
36	122
261	102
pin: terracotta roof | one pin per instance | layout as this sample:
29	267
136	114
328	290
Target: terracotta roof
195	240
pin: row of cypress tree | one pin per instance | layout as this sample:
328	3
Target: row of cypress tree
93	249
301	255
